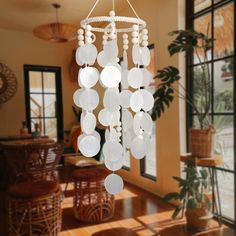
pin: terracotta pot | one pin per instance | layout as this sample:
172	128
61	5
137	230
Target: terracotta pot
202	142
198	219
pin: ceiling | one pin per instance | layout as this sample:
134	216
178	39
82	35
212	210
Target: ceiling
24	15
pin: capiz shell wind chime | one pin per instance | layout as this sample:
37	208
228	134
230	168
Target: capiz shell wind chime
124	131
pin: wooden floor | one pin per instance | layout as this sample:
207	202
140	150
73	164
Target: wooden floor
137	213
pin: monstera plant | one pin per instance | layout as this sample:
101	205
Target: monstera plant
169	86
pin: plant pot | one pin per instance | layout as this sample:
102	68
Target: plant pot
198	219
202	142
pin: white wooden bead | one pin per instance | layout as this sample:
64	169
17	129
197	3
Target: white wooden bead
145	43
80	31
81	43
88	27
144	31
80	37
135	28
125	36
88	33
125	47
145	37
134	40
104	42
113	36
105	37
125	41
88	40
135	34
112	13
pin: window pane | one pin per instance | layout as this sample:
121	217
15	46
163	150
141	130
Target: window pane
150	159
224	140
51	128
201	4
35	82
40	125
199	73
127	159
36	105
224	31
202	24
227	197
49	82
223	84
50	104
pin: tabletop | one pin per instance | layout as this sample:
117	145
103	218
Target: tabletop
215	160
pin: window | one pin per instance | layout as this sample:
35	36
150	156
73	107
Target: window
44	100
148	164
216	18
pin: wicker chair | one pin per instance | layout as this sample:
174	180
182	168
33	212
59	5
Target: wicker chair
34	161
34	197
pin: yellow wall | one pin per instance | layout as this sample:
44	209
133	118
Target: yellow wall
161	17
19	48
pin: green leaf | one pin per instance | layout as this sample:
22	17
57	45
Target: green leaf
177	211
171	196
191	204
204	173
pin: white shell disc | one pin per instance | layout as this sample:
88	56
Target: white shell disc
137	122
111	100
136	54
127	119
111	50
89	146
103	117
112	150
96	135
146	56
148	100
113	118
102	59
88	54
114	165
135	77
136	101
89	76
113	184
110	76
89	99
127	139
88	123
76	97
147	123
77	59
124	79
80	138
125	98
138	147
147	77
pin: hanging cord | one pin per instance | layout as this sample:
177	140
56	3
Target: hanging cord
96	3
113	5
133	9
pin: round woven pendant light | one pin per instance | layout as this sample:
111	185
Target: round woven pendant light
56	32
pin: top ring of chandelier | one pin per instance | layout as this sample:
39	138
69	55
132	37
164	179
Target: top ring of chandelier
141	23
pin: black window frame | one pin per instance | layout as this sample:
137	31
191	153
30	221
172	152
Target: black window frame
59	104
190	17
142	165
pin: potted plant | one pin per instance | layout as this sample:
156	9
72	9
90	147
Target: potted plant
190	42
193	197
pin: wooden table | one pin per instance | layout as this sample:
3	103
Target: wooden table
211	164
17	137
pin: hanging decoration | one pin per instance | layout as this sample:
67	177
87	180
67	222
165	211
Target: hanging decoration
124	130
